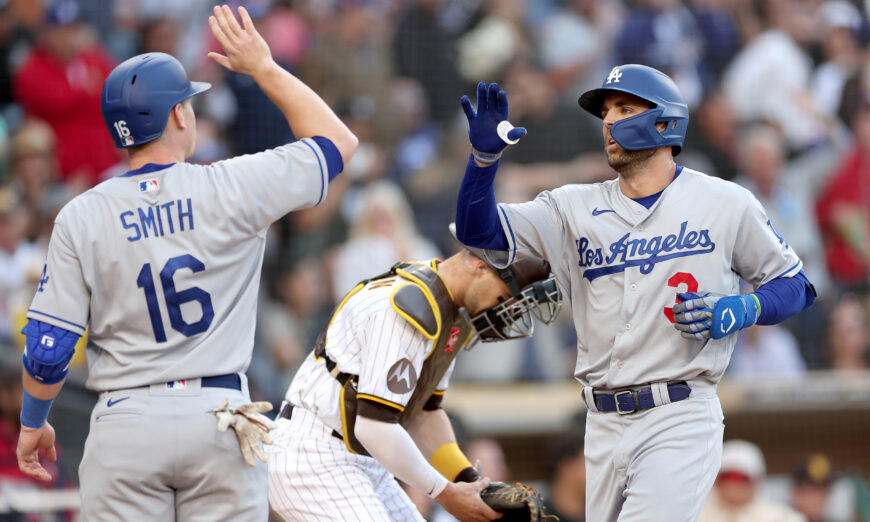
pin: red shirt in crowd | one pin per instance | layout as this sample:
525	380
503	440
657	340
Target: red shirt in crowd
847	194
67	97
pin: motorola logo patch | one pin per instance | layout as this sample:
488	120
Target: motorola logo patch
402	377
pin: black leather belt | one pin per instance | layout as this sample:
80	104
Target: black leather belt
286	412
631	400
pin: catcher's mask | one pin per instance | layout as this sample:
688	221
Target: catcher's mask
535	295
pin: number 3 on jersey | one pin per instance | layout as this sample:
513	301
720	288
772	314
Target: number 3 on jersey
174	299
680	278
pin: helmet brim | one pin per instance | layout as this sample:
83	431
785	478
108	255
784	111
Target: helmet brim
592	100
198	88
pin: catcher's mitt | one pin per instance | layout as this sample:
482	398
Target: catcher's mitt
518	502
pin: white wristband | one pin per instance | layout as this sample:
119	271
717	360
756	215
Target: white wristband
485	157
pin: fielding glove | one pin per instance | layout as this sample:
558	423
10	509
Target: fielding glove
709	315
518	502
489	129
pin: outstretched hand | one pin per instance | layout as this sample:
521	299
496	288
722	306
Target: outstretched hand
488	128
246	51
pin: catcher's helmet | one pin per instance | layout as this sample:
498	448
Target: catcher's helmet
139	94
535	295
639	132
534	292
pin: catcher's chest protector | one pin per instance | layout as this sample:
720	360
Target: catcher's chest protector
423	302
421	298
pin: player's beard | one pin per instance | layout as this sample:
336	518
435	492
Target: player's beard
627	162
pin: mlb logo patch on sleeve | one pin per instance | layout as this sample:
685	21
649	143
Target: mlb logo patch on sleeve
148	185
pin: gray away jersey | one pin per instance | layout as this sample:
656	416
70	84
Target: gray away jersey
164	266
623	266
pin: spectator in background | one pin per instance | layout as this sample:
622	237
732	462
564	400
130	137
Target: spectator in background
382	233
74	67
766	352
556	133
735	496
18	22
34	168
664	34
838	24
711	141
490	454
787	190
495	41
769	77
811	487
350	60
718	26
288	324
575	45
159	35
847	339
17	258
425	51
566	494
843	207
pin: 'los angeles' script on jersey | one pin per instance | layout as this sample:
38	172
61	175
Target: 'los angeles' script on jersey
158	220
643	252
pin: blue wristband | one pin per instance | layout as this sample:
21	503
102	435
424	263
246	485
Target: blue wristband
34	412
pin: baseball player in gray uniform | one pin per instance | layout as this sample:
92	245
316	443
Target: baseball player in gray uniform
162	264
364	408
652	262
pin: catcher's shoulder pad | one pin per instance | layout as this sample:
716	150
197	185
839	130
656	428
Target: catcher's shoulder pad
418	307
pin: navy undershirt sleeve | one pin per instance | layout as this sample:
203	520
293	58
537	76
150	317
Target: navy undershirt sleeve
477	223
334	163
783	297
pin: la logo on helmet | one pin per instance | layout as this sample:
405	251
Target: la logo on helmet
614	76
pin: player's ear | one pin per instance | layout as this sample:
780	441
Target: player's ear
477	264
179	117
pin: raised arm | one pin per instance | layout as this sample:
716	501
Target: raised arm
247	52
490	132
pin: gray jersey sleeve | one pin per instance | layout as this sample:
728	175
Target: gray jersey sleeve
260	188
541	225
760	253
62	297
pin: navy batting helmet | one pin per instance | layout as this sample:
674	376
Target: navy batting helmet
639	132
139	94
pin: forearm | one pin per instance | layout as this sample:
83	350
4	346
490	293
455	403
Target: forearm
39	390
433	434
784	297
306	112
477	222
393	447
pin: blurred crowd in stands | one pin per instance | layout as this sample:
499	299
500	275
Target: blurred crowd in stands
779	92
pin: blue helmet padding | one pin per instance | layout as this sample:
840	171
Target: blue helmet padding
48	350
139	94
639	132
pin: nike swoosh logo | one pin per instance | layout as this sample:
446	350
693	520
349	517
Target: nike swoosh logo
113	402
596	212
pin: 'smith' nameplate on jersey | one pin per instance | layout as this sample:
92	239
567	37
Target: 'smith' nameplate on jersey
158	220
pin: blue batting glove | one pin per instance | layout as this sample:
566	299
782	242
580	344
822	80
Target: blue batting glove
709	315
489	129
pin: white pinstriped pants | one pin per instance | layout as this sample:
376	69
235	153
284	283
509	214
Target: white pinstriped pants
313	477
